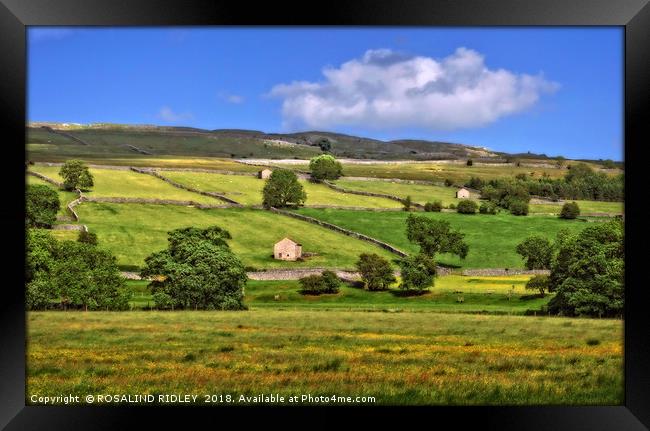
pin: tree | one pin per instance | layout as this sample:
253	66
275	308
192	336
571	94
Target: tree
435	236
42	204
407	203
417	272
325	167
73	274
539	283
570	210
537	252
470	162
87	237
588	272
325	145
198	270
448	182
283	189
376	272
467	207
76	175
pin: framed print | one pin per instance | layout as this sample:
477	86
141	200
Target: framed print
429	209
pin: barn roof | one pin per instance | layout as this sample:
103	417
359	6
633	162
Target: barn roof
287	239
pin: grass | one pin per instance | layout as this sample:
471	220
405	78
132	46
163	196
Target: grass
480	295
132	231
129	184
420	193
585	207
492	238
398	358
247	190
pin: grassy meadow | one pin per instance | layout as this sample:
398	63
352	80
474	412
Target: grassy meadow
247	190
129	184
479	295
398	358
586	207
420	193
133	231
492	238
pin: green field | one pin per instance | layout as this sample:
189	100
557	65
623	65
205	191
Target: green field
479	295
133	231
492	238
586	207
420	193
129	184
398	358
247	190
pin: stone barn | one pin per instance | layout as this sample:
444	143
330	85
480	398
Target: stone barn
462	193
287	249
264	173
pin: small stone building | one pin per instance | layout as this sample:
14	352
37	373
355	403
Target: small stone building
287	249
264	174
462	193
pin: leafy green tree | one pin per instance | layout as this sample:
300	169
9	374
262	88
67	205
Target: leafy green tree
282	189
87	237
325	145
331	281
467	207
76	175
537	252
539	283
42	204
435	236
325	167
198	270
570	210
73	274
470	162
588	272
417	272
376	272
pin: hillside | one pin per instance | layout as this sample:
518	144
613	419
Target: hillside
57	140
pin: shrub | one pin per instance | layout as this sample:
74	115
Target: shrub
452	207
435	206
448	182
327	282
87	237
470	162
41	205
467	207
518	207
570	210
539	283
488	208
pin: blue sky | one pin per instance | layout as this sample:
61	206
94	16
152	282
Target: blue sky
545	90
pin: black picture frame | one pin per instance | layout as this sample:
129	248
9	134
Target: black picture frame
633	15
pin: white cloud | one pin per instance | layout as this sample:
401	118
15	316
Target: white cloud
167	114
231	98
388	89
